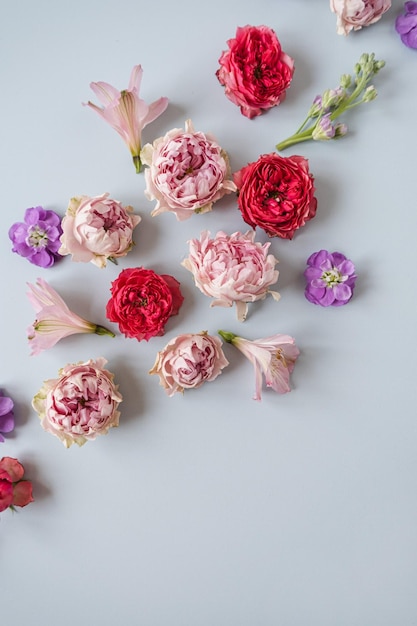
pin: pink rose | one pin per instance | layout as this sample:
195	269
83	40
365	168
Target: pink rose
232	269
97	229
80	404
14	491
255	71
188	171
188	361
353	14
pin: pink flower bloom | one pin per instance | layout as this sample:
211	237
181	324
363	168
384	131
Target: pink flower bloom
354	14
54	319
14	491
232	269
80	404
188	172
126	112
97	229
273	357
188	361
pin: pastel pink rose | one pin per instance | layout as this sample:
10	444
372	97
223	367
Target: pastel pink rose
254	70
14	491
187	172
80	404
188	361
233	269
354	14
97	229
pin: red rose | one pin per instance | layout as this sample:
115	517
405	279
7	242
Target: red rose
13	490
255	71
277	194
143	301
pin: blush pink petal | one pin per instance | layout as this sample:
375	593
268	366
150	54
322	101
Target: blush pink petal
126	112
272	357
54	319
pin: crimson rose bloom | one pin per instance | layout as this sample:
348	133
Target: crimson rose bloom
142	302
277	194
255	71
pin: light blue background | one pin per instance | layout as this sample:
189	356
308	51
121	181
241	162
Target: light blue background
212	509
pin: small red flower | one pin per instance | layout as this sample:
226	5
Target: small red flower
277	194
142	301
14	491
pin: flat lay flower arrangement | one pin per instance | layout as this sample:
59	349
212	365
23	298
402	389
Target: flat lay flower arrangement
186	172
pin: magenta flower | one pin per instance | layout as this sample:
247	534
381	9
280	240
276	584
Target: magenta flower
37	238
54	319
406	25
330	278
126	112
272	357
6	415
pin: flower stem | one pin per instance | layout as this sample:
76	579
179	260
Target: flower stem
137	163
101	330
227	336
296	138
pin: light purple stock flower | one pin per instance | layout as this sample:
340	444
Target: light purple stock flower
406	25
37	238
330	278
325	129
6	415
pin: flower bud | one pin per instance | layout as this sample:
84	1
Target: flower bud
324	129
340	130
333	97
316	107
369	94
345	81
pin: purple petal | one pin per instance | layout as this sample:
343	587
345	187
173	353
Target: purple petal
346	267
6	424
410	39
314	295
312	272
318	283
328	298
338	258
42	258
317	258
342	292
411	7
6	405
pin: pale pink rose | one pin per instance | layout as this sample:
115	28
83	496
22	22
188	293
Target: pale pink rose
232	269
354	14
97	229
54	320
188	172
273	357
80	404
188	361
126	112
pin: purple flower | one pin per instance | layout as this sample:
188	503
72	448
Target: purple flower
406	25
37	238
6	415
330	278
324	128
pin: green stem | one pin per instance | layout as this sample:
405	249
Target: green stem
101	330
296	138
138	163
227	336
